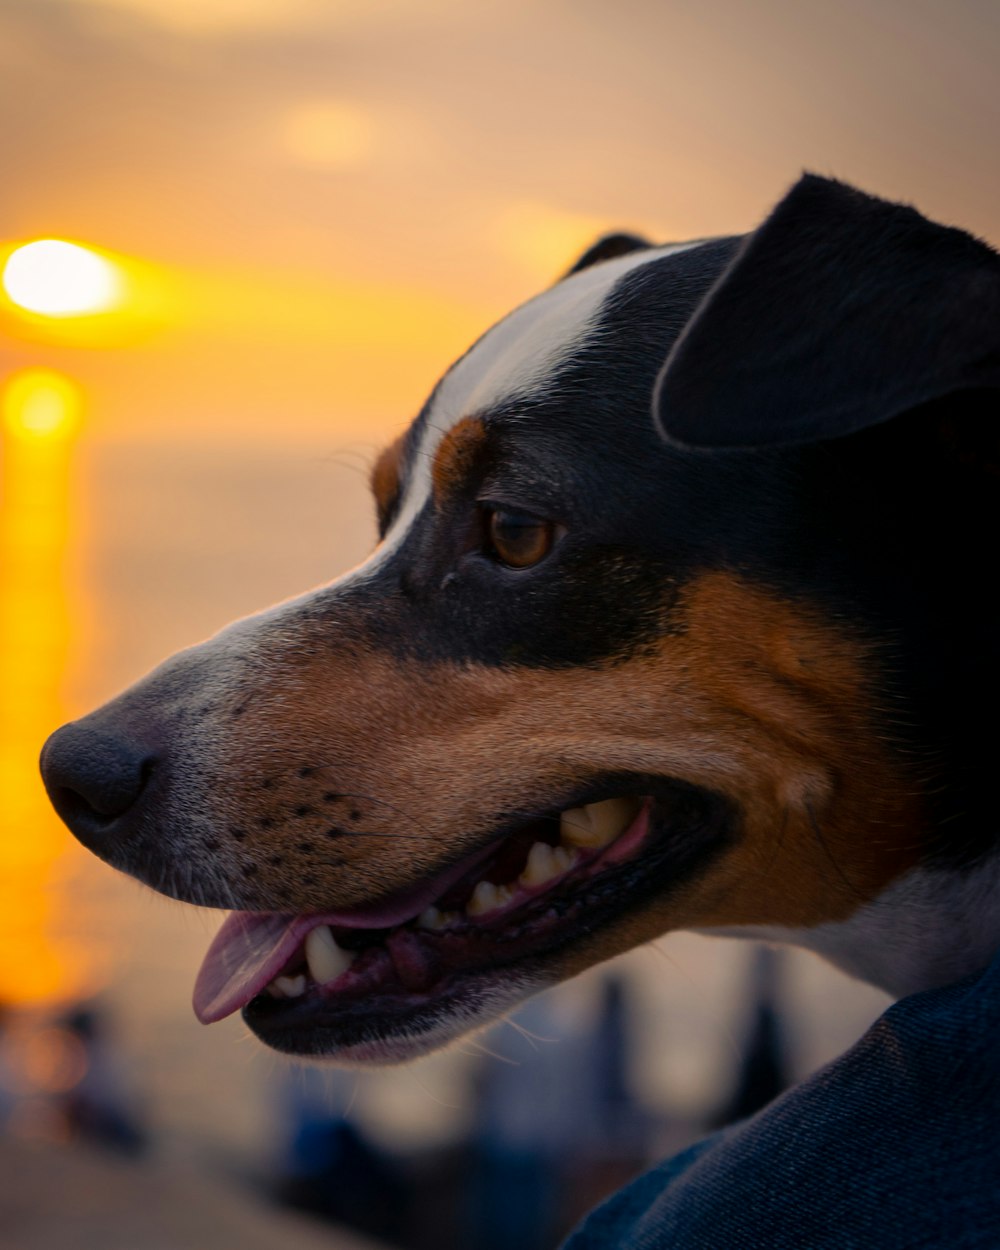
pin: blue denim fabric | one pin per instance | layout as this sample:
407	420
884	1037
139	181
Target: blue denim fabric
894	1146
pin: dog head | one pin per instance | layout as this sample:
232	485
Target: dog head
605	675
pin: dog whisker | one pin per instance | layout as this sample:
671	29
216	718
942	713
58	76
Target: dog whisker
532	1038
483	1049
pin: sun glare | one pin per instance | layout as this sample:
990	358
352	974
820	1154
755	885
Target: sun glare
60	279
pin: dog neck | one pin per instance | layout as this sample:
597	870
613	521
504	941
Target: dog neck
929	928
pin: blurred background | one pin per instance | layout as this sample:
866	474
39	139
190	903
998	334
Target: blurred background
240	240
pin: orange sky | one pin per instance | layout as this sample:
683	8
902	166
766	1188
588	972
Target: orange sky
337	195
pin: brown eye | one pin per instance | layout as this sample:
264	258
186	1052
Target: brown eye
518	539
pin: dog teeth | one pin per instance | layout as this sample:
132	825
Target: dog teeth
488	897
432	918
563	859
539	867
546	862
325	958
287	987
596	824
590	827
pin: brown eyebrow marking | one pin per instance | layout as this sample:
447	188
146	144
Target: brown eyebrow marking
385	483
455	456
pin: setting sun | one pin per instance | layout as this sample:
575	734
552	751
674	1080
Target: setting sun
60	279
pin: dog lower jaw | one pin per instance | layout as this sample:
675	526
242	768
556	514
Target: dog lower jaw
374	1037
411	989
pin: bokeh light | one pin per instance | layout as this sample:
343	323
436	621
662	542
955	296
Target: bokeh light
327	133
60	279
56	1061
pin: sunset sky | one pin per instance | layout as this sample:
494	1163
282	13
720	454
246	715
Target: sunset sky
332	197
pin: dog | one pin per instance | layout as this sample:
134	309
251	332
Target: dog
680	618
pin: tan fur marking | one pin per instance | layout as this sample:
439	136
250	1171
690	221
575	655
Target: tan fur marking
384	478
454	456
756	698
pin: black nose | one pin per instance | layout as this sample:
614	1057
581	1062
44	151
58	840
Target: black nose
94	778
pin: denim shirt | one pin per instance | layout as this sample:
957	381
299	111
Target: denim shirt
893	1146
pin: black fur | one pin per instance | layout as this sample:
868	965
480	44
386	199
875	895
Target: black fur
607	247
840	311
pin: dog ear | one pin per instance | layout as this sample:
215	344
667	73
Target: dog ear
840	311
607	247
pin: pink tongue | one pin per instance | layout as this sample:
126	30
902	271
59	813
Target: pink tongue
248	952
252	947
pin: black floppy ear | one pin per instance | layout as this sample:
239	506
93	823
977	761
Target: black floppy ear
839	312
607	247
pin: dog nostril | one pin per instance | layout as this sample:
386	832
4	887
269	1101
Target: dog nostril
93	777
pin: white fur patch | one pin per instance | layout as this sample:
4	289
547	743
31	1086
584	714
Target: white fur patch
513	360
929	928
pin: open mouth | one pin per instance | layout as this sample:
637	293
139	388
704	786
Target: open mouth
378	983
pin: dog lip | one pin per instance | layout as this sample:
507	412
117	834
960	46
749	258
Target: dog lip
413	973
251	948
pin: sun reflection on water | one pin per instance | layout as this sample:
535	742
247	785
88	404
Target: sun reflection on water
38	515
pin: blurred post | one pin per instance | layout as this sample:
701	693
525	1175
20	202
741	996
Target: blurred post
764	1071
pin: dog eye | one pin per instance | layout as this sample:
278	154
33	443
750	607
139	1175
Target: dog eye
519	539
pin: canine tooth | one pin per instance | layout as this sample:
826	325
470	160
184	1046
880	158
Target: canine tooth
540	866
484	898
325	958
289	987
596	824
